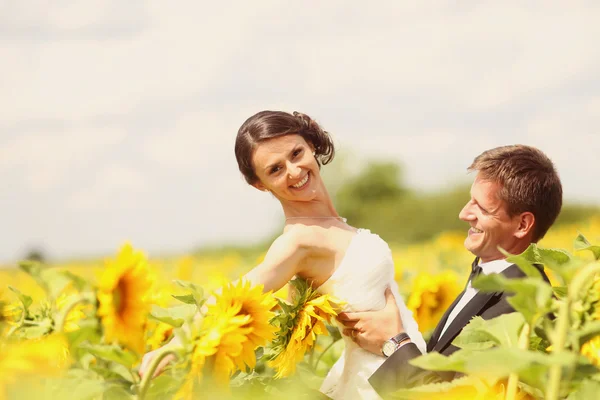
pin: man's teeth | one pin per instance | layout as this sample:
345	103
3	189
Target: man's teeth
301	183
476	230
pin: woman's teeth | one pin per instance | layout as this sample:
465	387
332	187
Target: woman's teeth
475	230
301	183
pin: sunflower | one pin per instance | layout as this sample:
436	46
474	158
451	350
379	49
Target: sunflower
10	314
299	325
160	334
3	309
217	347
466	387
123	296
235	325
31	359
591	349
431	296
243	299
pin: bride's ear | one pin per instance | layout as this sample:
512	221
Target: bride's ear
260	186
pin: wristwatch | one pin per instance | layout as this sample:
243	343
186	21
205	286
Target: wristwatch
392	344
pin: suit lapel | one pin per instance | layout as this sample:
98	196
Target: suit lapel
471	309
435	336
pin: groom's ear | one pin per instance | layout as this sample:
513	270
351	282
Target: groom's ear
526	224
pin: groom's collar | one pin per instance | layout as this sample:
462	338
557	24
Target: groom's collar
494	267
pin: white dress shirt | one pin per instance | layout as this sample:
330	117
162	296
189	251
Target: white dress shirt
487	268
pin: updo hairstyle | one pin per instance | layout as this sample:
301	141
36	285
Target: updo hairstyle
267	125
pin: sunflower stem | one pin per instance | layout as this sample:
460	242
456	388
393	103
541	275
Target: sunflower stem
16	327
581	279
88	297
148	375
330	345
312	352
513	379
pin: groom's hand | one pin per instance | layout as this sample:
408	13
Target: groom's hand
371	329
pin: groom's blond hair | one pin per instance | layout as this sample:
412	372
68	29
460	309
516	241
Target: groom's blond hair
529	182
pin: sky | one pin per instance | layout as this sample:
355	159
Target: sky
118	119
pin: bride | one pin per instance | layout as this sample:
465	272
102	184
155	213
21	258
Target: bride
282	153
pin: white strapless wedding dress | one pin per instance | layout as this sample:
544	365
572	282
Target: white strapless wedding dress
360	280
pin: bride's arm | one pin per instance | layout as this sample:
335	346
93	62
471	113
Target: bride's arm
282	261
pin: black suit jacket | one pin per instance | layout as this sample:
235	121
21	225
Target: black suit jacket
396	373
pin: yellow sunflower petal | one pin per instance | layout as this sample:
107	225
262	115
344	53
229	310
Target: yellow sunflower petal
123	295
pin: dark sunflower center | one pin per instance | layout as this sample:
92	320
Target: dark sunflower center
245	311
120	296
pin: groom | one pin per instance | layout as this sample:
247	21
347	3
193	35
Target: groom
515	198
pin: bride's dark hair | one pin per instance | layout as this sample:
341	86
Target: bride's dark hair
271	124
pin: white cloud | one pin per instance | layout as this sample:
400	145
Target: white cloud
116	186
46	159
431	84
196	140
181	51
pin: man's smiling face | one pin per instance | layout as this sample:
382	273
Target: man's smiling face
491	224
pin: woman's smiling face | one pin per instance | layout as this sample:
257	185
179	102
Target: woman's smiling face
286	167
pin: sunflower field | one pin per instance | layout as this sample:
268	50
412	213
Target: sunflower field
79	330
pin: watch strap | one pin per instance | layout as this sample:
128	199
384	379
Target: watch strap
395	342
401	337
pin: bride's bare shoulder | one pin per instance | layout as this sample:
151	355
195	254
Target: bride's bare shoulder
303	235
313	236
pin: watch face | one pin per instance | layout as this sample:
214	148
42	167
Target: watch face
388	348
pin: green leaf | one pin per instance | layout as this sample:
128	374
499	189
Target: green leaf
111	353
554	257
581	243
189	285
558	260
174	316
436	362
308	377
88	332
118	392
560	291
588	389
32	268
589	331
78	384
107	373
499	363
122	371
526	260
56	281
185	298
78	282
285	307
195	291
480	334
538	343
163	387
25	300
37	331
532	296
52	281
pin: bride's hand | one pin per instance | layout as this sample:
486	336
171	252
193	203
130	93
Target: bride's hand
371	329
149	357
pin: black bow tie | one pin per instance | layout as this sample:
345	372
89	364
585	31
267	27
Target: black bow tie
475	270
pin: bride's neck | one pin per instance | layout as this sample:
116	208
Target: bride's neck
322	206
